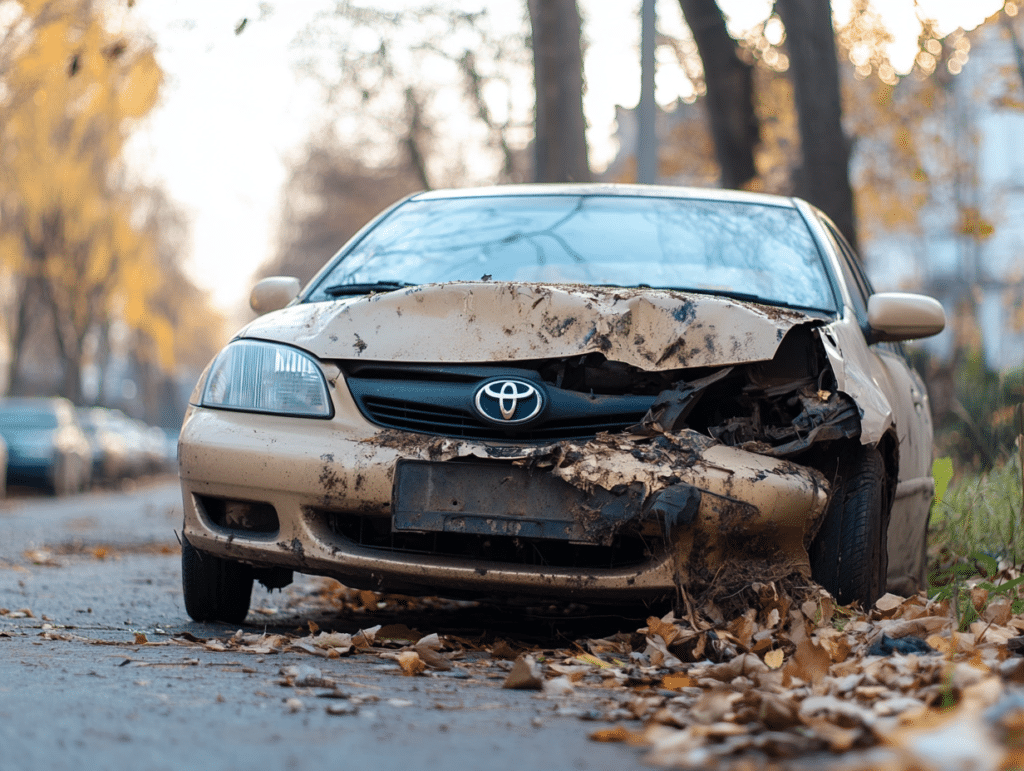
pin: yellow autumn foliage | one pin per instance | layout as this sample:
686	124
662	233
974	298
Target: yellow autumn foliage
72	86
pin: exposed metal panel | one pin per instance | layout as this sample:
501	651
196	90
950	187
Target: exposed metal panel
500	499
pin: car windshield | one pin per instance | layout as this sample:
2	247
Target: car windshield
26	418
749	250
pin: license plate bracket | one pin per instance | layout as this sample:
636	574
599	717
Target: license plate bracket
500	499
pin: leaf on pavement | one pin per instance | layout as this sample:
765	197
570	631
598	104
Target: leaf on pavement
618	734
411	663
524	675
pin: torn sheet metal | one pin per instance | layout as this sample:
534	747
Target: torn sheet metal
750	504
754	510
848	358
651	329
824	417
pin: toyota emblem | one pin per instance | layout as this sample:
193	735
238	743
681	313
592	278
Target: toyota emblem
508	401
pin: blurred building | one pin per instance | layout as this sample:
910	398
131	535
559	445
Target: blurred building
969	248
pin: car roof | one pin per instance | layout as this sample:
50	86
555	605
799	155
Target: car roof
609	189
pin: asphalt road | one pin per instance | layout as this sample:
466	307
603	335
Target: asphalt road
91	678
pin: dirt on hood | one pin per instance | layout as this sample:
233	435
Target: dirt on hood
651	329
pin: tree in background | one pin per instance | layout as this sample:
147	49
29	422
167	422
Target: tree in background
71	88
559	143
328	197
730	99
824	176
437	89
378	148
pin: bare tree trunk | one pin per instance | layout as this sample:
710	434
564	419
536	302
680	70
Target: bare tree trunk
22	317
824	178
416	137
730	92
560	144
474	90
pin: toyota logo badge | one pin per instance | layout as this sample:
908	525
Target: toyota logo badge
508	401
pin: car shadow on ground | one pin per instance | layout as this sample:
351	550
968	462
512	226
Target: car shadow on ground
484	622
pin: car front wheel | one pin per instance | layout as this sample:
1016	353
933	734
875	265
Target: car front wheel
849	556
215	589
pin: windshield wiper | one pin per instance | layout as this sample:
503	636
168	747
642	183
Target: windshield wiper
346	290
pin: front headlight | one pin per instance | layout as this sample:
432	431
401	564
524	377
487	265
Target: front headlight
254	376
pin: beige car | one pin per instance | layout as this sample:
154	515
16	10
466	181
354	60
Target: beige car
595	393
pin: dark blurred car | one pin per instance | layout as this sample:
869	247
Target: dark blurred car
45	444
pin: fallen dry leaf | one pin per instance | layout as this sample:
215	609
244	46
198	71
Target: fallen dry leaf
810	662
888	604
668	632
411	663
524	675
674	682
618	734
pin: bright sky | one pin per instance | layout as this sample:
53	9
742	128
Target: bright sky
235	111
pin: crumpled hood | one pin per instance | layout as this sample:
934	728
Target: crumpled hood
501	321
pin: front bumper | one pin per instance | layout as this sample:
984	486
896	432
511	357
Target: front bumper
320	476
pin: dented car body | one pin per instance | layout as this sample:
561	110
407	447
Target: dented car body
595	393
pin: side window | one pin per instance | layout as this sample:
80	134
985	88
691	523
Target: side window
856	281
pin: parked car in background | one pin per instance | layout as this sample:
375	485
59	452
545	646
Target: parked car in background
594	393
110	462
156	450
3	468
45	444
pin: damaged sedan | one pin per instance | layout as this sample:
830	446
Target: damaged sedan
595	393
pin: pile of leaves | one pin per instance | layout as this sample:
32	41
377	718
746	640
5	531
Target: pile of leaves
907	683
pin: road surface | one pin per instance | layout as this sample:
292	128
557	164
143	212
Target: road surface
91	676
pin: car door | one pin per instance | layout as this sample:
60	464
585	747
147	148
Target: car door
905	390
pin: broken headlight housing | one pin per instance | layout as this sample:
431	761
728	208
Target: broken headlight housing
255	376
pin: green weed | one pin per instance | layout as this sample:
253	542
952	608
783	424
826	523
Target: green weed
978	515
975	525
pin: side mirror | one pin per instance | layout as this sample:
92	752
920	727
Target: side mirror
273	292
895	316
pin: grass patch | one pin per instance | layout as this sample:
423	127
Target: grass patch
976	539
980	514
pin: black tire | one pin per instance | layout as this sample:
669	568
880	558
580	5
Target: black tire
215	589
849	555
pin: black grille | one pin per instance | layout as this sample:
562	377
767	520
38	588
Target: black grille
431	419
445	408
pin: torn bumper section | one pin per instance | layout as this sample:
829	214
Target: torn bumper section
377	510
710	505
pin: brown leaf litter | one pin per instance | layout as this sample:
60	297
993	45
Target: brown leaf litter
788	679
